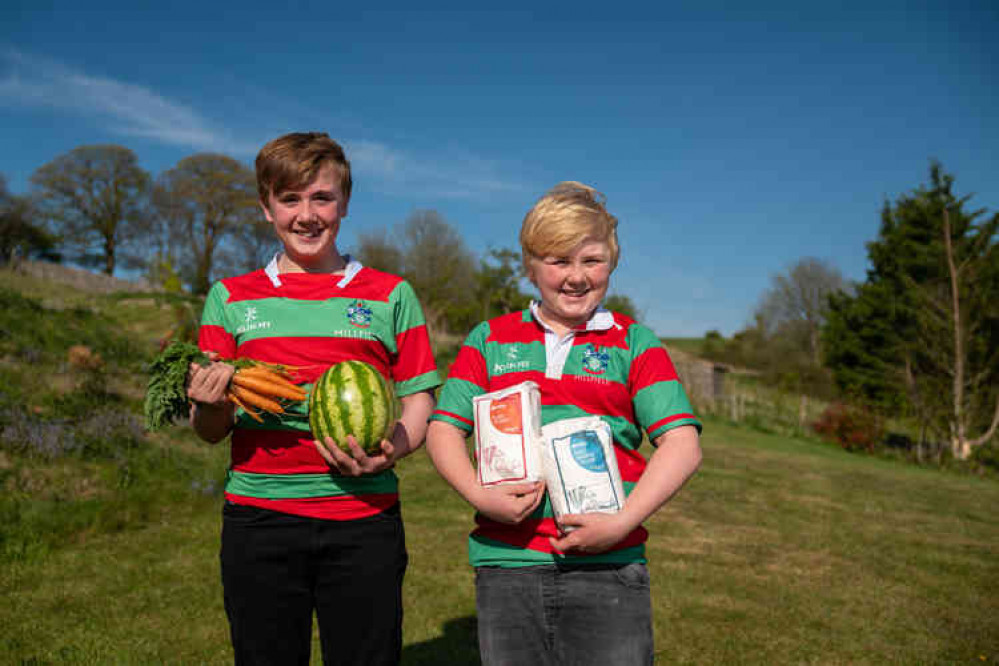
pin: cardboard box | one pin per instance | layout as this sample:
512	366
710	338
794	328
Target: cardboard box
580	467
508	435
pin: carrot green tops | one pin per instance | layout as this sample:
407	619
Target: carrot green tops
309	322
613	368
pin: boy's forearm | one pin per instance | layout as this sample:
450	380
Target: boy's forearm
447	451
212	423
675	459
416	411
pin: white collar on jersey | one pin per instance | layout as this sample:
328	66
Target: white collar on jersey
352	268
601	320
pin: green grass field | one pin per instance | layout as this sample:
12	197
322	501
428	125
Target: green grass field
778	551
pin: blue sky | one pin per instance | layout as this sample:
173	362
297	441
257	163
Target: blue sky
730	141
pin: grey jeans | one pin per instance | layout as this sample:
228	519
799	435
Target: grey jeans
556	615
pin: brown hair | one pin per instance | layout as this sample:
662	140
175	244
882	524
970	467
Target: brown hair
294	160
564	217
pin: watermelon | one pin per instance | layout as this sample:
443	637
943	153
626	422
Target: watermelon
352	398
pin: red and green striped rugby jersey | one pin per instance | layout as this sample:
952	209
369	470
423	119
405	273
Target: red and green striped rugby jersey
622	374
312	321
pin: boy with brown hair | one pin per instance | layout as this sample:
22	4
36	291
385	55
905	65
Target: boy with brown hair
307	527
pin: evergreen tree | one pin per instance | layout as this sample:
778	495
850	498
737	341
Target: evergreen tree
920	336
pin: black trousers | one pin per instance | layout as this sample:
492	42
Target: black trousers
278	569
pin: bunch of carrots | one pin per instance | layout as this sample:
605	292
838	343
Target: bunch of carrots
261	386
256	386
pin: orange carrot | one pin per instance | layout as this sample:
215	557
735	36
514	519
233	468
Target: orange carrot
239	403
256	400
261	369
271	376
267	389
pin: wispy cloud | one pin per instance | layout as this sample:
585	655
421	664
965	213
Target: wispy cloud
129	109
124	108
449	173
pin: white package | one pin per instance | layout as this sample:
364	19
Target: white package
508	435
580	466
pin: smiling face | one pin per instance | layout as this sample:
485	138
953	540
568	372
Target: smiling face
307	222
572	286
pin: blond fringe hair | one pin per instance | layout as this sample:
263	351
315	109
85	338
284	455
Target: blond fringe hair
564	217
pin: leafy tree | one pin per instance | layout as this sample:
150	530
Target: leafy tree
161	271
93	196
621	304
714	342
19	237
205	200
921	335
498	280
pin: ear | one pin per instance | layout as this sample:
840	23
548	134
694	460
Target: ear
529	271
267	210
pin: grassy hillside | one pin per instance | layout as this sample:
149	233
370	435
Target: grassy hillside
779	551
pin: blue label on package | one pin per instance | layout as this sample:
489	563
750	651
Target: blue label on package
587	452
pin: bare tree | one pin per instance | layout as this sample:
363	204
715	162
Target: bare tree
944	317
432	256
253	245
799	300
92	196
440	267
377	250
205	199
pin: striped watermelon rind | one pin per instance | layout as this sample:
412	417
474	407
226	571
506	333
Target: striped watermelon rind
352	398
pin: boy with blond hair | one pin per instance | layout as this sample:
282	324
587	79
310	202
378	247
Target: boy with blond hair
546	595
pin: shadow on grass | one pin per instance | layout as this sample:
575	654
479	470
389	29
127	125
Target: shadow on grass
459	646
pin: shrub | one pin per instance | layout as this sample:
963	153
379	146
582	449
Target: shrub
986	458
104	434
853	428
25	435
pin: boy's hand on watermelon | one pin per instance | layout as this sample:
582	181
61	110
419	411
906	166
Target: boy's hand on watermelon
357	462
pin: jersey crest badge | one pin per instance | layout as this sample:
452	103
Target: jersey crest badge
595	360
359	314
